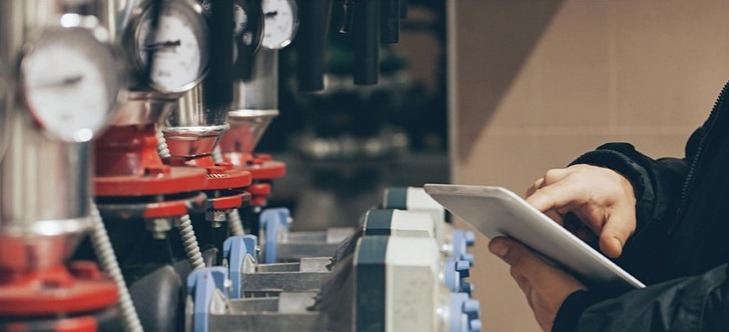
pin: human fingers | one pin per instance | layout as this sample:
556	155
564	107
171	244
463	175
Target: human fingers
521	280
536	185
554	175
559	197
522	260
556	217
616	231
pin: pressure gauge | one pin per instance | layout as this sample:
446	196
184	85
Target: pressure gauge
179	46
280	23
69	79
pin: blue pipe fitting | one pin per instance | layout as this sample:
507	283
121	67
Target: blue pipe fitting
201	285
235	250
273	222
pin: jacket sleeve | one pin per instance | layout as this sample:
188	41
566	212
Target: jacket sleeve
693	303
657	183
697	303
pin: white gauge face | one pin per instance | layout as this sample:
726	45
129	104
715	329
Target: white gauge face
280	23
70	82
179	47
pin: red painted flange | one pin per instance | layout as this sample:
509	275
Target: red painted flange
127	164
158	181
228	202
168	209
55	291
261	166
259	193
220	176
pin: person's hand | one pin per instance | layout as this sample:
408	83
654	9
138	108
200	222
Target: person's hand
600	197
544	285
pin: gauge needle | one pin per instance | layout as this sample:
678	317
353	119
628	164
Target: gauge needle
164	44
62	83
271	14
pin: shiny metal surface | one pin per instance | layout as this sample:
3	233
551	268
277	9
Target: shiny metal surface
44	184
192	129
144	108
20	252
191	112
115	15
248	126
261	92
41	179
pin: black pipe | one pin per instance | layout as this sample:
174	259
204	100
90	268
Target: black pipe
347	17
390	21
155	15
403	9
218	87
243	65
366	34
311	43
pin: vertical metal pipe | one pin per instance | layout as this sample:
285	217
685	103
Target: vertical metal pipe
261	92
44	183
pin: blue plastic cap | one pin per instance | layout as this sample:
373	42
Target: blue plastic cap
463	268
474	325
472	308
470	238
458	242
467	287
469	258
459	322
451	277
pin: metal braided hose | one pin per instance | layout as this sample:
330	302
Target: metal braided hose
187	233
105	253
235	225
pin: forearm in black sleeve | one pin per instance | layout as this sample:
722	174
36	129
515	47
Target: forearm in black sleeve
697	303
657	183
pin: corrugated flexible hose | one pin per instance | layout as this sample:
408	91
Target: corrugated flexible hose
235	225
105	254
187	233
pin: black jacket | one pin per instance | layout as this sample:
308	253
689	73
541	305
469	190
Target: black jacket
681	246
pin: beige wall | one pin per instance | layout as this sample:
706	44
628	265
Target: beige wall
535	83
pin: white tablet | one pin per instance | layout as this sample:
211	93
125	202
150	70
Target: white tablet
496	211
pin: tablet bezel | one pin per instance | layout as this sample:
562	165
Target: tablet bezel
496	211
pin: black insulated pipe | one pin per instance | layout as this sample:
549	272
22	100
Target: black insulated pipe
366	35
243	65
156	14
218	87
390	21
311	43
347	17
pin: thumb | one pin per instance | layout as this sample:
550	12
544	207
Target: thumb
616	231
518	256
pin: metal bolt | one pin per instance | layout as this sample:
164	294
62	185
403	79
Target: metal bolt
158	227
215	217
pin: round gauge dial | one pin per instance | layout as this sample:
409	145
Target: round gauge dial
178	46
69	82
280	23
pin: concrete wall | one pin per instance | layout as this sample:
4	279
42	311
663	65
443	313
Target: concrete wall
533	84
